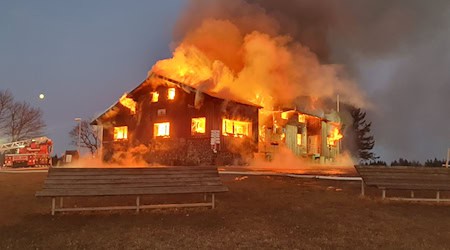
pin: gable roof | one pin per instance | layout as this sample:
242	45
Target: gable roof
192	89
147	81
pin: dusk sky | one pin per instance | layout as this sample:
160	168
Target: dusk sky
83	55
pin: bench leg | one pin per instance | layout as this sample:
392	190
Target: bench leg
53	205
437	196
383	194
204	197
412	194
138	201
61	202
362	188
213	201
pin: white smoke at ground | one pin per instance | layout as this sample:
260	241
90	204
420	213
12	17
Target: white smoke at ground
285	161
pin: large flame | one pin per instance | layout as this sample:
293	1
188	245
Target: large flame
334	137
128	102
264	69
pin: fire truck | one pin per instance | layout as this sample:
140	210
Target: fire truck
28	153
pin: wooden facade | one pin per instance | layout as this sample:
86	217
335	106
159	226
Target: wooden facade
306	135
177	127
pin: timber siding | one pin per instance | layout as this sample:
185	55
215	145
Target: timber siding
182	147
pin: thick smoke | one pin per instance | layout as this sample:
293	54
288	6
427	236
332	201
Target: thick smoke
397	51
238	49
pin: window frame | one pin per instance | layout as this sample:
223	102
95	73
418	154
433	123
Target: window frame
202	119
233	122
123	137
156	130
169	92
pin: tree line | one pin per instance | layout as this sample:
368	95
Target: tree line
404	162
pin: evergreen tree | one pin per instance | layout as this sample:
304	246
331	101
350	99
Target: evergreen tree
405	162
363	140
434	163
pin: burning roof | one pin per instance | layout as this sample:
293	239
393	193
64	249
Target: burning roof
156	80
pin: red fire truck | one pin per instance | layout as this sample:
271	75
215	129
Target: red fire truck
28	153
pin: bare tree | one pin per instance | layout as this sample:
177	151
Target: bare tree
6	100
19	120
88	136
22	121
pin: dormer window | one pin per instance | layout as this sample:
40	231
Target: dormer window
171	93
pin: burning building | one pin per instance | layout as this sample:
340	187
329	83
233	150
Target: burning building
179	125
176	124
232	88
313	137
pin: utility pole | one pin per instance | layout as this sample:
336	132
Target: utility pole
79	135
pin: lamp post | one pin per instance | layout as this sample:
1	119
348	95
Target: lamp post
79	134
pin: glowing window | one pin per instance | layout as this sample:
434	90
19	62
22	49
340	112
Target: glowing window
284	115
302	118
198	125
161	129
120	133
155	96
299	139
235	128
171	93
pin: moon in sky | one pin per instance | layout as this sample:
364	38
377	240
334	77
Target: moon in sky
41	96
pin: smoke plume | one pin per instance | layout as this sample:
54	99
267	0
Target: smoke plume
394	50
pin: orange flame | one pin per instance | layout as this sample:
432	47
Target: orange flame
128	102
335	136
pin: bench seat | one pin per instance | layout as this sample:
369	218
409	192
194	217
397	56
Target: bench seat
406	178
85	182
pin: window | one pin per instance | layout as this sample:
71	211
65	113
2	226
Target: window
120	133
302	118
161	112
235	128
198	125
299	139
161	129
171	93
155	96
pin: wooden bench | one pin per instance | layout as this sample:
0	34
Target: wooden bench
84	182
406	178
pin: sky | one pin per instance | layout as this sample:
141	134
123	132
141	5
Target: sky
83	55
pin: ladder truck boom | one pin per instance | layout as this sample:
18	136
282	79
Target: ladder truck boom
27	153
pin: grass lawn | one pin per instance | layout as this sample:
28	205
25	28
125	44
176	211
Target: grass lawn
257	212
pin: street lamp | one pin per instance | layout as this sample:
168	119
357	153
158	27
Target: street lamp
79	134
